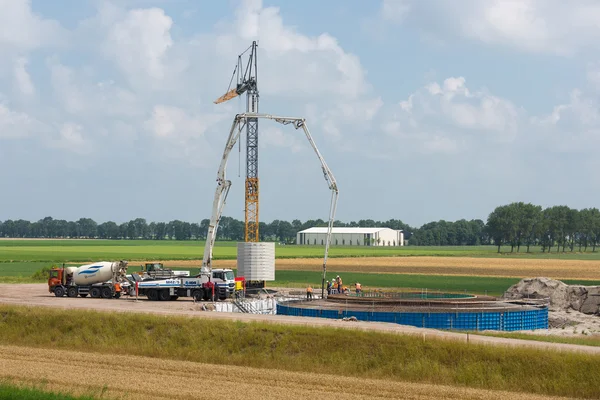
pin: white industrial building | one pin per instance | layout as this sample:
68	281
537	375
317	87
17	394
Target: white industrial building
351	237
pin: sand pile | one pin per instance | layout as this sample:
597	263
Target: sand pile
585	299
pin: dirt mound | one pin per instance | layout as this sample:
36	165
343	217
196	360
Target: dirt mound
585	299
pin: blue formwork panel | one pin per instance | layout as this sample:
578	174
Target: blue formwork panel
329	314
359	315
477	321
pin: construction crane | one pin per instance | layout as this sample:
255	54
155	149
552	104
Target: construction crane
240	122
247	82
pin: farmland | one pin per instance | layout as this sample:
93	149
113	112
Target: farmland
300	355
298	359
88	250
472	269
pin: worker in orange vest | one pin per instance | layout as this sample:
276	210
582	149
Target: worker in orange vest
309	291
358	288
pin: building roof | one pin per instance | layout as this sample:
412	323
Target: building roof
344	230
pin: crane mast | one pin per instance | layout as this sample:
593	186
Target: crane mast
247	82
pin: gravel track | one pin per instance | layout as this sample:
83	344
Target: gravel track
37	295
144	377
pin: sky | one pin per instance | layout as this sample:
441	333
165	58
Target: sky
423	110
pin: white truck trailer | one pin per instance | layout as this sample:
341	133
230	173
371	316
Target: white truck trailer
219	286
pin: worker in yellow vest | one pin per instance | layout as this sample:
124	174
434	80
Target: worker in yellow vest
309	291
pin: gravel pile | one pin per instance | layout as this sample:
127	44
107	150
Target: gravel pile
585	299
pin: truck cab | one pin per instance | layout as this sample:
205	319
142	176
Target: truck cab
55	278
224	281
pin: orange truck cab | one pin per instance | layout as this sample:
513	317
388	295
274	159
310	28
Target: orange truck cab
56	278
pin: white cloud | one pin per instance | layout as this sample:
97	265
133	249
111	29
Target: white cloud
539	26
571	127
71	138
180	134
290	138
442	117
394	10
440	144
22	78
20	28
593	74
139	43
14	124
73	100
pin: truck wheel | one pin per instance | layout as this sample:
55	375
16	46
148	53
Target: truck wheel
59	291
164	295
197	295
106	293
72	292
152	295
95	293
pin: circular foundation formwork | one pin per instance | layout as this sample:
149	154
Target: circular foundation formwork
449	311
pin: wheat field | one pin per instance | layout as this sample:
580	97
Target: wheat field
127	378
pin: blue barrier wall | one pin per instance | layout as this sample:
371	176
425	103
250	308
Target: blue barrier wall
478	320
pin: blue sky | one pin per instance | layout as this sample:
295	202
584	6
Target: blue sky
424	110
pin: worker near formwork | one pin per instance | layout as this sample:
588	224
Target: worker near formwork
309	291
358	288
339	283
328	287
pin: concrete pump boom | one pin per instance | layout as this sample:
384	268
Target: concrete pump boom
223	184
221	193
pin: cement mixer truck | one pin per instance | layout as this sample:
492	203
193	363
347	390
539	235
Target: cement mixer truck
102	279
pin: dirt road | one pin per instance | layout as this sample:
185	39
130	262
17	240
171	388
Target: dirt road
502	267
37	295
145	377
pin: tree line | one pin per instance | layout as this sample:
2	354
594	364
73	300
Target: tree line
517	225
139	228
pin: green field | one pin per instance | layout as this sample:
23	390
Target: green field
93	250
11	392
20	259
320	350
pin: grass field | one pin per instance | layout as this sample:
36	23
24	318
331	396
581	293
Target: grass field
91	250
592	340
9	391
336	352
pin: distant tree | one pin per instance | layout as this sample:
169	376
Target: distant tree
87	228
161	230
499	225
530	219
594	227
108	230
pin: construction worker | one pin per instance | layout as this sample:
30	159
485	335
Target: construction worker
328	287
340	284
358	288
309	291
